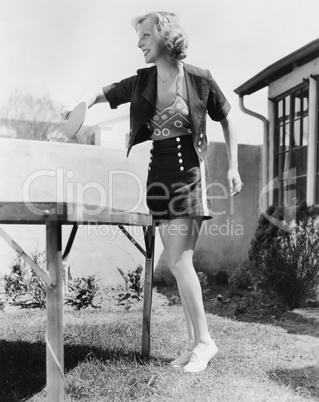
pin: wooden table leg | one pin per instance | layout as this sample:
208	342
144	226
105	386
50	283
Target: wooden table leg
54	339
149	236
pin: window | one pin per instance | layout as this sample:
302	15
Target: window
290	146
91	139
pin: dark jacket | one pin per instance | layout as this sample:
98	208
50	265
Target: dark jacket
204	96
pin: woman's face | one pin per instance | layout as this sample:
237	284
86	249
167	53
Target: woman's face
150	45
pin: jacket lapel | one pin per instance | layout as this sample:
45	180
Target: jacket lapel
149	93
197	91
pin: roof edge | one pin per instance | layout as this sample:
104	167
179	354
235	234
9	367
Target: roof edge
279	68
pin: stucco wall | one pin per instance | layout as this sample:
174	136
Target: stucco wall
99	250
225	239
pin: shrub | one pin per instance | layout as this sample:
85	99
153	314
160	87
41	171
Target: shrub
241	277
135	280
15	283
134	287
23	286
38	292
285	261
262	240
132	279
221	278
292	265
203	279
267	231
83	291
36	285
27	289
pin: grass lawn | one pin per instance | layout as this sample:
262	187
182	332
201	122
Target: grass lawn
256	362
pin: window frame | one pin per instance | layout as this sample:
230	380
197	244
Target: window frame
287	153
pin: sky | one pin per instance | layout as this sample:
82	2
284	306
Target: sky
63	48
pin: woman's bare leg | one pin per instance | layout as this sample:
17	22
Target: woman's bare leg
179	238
163	228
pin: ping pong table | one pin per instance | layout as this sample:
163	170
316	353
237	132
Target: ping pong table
54	215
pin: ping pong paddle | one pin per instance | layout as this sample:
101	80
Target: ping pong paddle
75	119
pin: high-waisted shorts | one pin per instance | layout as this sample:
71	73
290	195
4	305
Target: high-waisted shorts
175	183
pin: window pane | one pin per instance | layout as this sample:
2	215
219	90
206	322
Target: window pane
297	106
299	161
280	108
281	139
305	102
276	196
295	191
305	130
276	140
301	189
283	164
276	158
287	108
296	134
290	193
286	136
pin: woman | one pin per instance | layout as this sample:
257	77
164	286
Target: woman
169	103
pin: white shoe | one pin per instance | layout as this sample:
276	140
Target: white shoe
183	358
196	364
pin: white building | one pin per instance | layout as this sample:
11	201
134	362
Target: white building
290	166
112	133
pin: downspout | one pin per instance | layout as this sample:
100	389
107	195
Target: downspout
265	149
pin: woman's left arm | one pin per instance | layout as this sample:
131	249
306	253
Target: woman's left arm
233	177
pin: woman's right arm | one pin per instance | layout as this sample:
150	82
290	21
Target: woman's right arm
115	94
91	98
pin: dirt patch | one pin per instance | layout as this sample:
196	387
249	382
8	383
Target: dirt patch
246	306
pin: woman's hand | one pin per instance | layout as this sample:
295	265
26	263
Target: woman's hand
234	182
90	98
65	111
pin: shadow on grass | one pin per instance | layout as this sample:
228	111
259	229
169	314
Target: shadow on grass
23	365
304	381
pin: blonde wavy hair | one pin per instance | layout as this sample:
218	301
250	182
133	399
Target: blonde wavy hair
168	30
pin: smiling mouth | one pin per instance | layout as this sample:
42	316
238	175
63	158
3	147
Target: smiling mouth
145	52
